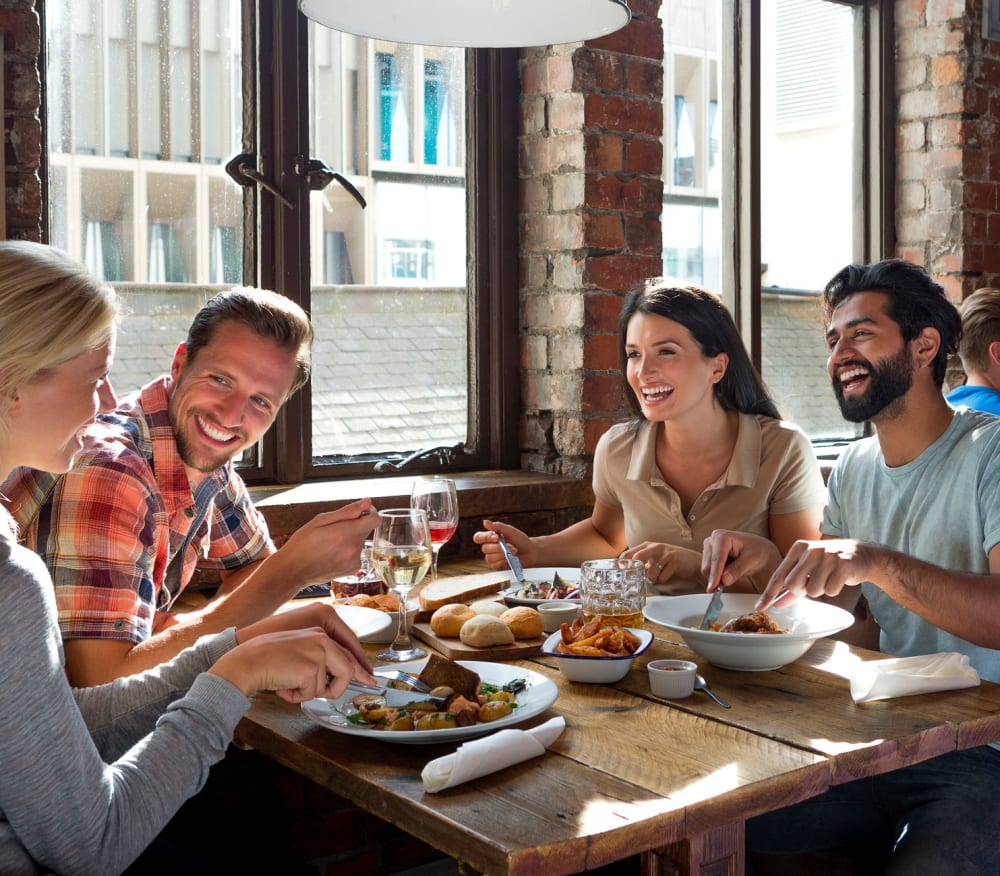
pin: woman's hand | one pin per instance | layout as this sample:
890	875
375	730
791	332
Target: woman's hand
296	664
520	545
666	561
315	614
729	556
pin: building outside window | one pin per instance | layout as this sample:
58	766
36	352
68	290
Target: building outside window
145	111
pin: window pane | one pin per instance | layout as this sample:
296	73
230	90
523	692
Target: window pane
389	285
692	126
132	202
808	114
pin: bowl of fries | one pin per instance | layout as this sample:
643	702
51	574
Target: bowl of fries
596	653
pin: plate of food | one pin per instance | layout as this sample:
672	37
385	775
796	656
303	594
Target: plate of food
368	624
544	585
385	603
533	693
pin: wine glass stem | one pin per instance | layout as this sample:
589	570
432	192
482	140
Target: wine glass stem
434	561
403	642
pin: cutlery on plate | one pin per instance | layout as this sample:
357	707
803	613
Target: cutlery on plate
712	612
405	677
512	561
395	697
702	685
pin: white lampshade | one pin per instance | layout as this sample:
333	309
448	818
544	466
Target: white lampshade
472	23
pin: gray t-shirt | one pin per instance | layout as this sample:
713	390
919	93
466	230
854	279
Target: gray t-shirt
89	777
943	508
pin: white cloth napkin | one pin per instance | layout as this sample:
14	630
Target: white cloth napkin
480	757
904	676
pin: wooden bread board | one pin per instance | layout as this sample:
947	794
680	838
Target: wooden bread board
456	649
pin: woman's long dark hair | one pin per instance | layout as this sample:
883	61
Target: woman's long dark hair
704	315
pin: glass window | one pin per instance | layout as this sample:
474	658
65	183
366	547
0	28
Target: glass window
798	200
808	221
692	219
128	192
146	110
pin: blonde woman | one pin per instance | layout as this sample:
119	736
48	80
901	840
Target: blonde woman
89	777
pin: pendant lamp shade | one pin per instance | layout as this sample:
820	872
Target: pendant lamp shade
472	23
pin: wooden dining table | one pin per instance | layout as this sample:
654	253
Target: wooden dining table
670	781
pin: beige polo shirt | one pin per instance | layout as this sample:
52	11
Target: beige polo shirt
773	471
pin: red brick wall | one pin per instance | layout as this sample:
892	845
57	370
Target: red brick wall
22	127
948	143
591	195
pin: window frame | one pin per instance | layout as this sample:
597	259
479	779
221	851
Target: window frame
874	151
276	242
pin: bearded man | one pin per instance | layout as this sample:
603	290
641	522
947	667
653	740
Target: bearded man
913	521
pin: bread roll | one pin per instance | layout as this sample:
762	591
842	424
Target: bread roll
488	606
524	622
485	631
448	620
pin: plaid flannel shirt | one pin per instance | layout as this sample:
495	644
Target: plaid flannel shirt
109	528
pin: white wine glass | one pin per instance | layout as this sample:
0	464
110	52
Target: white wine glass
402	554
439	498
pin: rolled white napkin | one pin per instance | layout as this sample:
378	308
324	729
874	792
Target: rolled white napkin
480	757
904	676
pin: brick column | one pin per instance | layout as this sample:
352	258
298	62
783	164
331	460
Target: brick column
948	143
591	194
22	118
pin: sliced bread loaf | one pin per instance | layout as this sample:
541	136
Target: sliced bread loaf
462	588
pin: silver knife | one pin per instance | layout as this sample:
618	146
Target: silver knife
714	607
512	561
395	697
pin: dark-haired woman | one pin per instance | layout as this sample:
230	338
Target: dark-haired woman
707	450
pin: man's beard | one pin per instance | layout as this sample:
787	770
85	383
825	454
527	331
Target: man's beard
888	382
186	452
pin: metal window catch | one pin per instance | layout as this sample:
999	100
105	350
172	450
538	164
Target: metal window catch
319	175
444	456
243	170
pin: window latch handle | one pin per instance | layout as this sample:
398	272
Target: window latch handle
319	175
243	170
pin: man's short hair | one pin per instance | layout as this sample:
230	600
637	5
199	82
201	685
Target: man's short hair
980	327
268	314
915	302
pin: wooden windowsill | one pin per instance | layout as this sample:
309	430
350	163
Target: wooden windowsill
504	494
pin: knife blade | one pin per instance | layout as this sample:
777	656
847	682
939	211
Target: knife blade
712	612
512	561
395	697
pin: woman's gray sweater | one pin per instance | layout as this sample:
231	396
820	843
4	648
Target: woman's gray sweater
89	777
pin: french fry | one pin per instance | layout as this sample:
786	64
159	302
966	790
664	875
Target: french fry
592	639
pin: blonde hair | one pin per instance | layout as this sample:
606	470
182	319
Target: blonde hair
51	310
980	328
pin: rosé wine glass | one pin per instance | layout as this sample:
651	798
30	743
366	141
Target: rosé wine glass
439	499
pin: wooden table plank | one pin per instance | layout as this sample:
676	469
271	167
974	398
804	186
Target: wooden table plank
584	804
861	739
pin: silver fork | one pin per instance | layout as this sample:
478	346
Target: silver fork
405	677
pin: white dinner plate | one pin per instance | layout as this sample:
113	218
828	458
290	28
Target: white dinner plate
367	624
540	693
569	574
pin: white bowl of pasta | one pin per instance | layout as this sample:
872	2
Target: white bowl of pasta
802	623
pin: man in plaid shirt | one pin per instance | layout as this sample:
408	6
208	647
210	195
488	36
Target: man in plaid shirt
154	493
